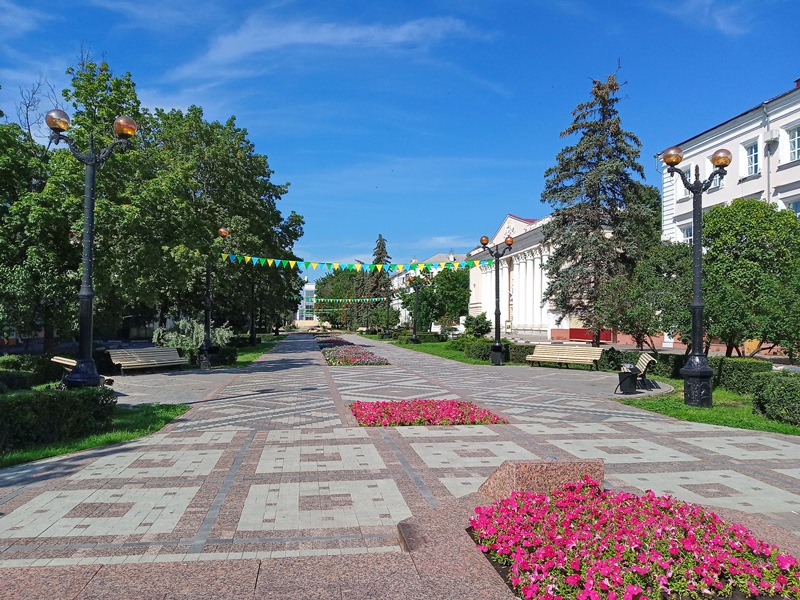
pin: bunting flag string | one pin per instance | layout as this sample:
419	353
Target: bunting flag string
348	300
334	266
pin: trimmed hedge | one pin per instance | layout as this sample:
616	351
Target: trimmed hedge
737	374
479	349
518	352
777	396
17	380
43	370
47	416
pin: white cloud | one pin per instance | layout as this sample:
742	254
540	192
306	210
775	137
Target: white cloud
260	35
16	20
729	18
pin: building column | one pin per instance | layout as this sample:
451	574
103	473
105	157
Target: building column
519	289
537	289
504	289
529	295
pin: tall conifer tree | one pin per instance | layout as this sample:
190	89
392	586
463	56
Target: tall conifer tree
603	219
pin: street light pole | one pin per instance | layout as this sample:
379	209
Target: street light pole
496	254
85	371
696	372
388	311
204	358
416	282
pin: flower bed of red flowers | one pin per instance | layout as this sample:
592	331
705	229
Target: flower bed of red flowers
352	355
421	412
583	543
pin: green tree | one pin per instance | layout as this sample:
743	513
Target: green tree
603	220
450	296
336	285
751	248
477	325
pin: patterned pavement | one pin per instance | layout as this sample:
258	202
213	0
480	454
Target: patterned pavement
269	466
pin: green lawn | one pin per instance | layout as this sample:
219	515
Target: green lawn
128	423
247	354
729	409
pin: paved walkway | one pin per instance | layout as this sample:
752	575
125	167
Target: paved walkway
267	488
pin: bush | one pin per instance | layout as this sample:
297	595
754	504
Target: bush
479	349
51	415
776	396
518	352
477	326
736	374
188	334
43	370
17	380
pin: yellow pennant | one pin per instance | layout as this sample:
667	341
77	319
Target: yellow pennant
314	266
270	261
293	263
335	266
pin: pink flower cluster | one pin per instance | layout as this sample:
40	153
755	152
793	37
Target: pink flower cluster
583	543
421	412
326	341
352	355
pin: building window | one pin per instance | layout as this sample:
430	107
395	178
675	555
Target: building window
795	206
752	158
686	233
794	144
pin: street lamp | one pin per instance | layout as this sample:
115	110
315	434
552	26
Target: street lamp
496	254
204	360
85	371
388	312
696	372
416	282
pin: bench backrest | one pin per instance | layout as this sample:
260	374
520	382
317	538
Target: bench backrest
158	353
576	351
644	362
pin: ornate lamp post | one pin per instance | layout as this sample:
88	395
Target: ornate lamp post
205	348
496	254
416	282
85	372
696	373
388	312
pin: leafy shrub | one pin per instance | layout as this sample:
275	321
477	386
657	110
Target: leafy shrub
477	326
52	415
736	374
3	388
479	349
777	396
518	352
458	344
188	333
17	380
44	371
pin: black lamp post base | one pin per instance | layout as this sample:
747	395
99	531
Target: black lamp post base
496	354
697	377
414	339
84	374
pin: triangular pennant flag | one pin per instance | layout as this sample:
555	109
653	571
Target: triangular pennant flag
335	266
270	261
225	256
254	260
247	259
357	266
314	265
261	261
379	267
305	264
278	262
292	263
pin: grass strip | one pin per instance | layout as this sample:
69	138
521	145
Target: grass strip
129	422
247	354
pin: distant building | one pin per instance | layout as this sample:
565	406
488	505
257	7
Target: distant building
765	143
304	316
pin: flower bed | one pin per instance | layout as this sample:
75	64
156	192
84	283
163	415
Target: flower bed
584	543
421	412
352	355
328	341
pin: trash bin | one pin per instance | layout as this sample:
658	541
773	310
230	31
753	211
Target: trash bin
627	381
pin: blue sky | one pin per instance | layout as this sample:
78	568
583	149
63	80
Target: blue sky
424	121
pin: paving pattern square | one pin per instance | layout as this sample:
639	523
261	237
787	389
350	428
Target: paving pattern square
206	438
443	455
562	428
309	459
133	465
671	426
710	488
618	451
153	510
289	506
749	447
461	486
298	435
421	431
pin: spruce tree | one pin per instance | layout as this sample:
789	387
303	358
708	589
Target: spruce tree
603	219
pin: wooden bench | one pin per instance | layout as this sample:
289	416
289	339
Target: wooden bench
146	358
69	364
641	366
565	355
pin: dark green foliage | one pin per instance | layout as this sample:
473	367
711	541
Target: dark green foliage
43	369
736	374
777	396
479	349
518	352
604	221
51	415
477	326
17	380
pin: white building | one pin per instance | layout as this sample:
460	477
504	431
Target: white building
765	143
522	282
304	316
